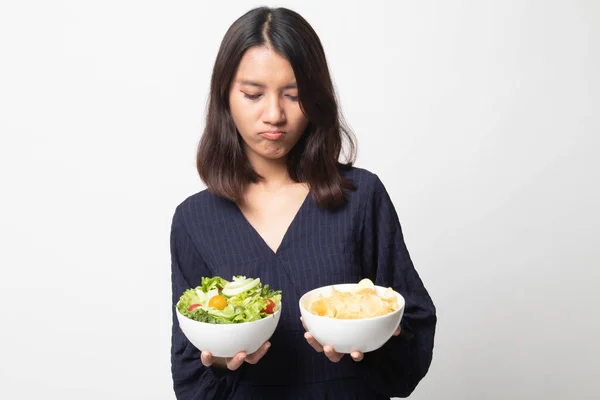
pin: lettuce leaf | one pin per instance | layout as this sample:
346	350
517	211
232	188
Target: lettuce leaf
188	298
216	282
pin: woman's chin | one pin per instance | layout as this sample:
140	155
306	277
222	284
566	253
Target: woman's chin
274	153
270	152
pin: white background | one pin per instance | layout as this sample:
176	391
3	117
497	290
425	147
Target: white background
480	117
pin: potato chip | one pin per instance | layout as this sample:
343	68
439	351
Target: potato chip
362	302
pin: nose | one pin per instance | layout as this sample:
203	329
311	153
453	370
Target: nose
273	113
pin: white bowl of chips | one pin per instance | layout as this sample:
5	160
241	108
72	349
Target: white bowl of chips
352	316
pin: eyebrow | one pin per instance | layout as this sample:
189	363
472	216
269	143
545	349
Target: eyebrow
262	86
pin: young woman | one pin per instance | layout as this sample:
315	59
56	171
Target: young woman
280	206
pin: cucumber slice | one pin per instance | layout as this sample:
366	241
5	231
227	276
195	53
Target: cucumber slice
238	283
237	289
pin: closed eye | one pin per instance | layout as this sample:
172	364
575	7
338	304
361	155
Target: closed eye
251	96
257	96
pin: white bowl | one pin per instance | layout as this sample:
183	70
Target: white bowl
226	340
348	335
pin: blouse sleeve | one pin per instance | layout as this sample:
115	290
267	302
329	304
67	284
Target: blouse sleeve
395	369
191	379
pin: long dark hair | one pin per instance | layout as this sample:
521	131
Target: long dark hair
221	161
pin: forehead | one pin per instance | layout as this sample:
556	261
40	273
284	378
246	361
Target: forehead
264	65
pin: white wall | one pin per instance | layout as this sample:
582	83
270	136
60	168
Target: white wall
480	117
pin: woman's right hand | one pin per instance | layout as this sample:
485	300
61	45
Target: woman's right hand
236	361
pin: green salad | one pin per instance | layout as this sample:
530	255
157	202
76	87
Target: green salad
218	301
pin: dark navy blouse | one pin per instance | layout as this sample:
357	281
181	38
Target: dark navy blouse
210	236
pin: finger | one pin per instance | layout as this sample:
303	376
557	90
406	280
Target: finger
313	342
258	354
237	360
357	356
310	339
397	331
332	354
206	358
302	320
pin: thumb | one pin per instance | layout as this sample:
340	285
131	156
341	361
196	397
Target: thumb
206	358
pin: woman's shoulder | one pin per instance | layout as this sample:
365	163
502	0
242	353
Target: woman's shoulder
201	206
363	179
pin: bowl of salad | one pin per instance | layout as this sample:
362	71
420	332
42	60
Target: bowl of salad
226	317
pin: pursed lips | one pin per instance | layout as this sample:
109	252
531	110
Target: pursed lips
272	135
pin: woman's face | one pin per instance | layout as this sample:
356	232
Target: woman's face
263	100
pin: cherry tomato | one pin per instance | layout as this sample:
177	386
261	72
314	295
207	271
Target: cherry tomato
269	309
193	307
219	302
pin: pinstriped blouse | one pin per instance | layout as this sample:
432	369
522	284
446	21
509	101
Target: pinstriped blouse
363	239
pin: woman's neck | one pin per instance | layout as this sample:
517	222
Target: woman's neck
274	172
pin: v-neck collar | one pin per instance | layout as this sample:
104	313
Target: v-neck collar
285	235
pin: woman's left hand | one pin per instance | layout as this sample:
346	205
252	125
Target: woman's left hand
329	351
